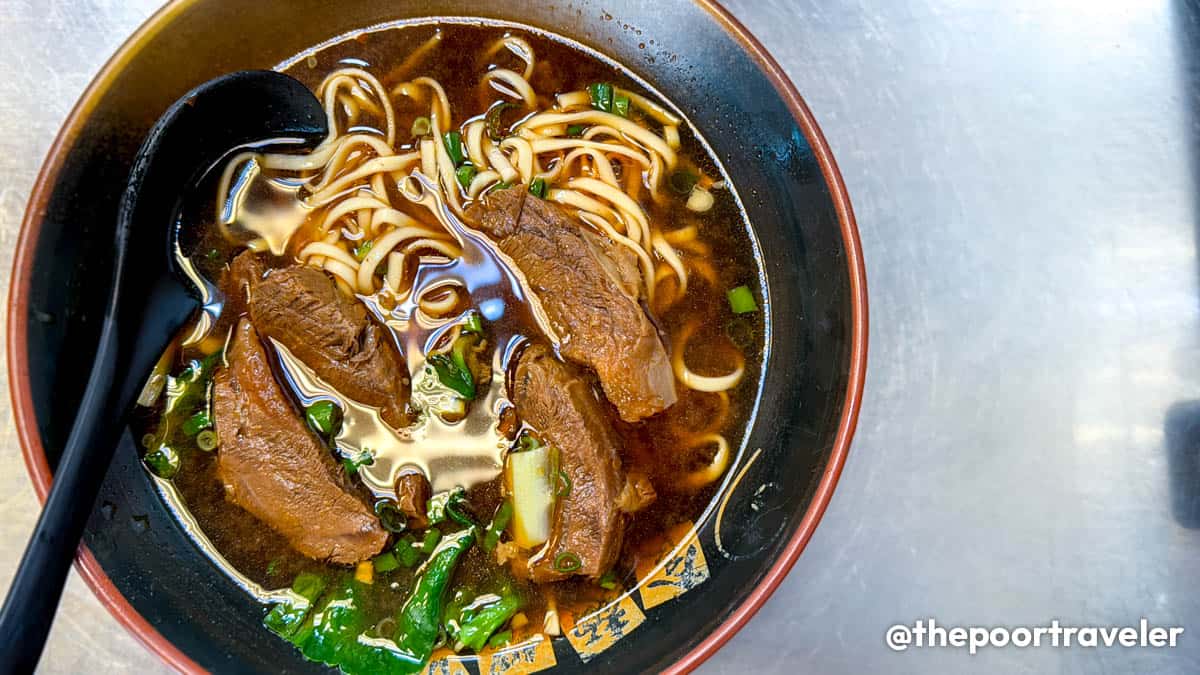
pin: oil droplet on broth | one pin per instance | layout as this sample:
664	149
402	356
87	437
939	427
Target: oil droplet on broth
262	207
466	452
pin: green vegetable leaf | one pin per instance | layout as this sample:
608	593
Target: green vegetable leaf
419	620
476	630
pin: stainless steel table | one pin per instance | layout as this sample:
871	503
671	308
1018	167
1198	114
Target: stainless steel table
1029	448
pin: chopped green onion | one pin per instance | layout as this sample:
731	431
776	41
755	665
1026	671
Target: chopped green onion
272	567
386	562
682	181
286	618
621	105
473	323
390	516
563	487
601	94
324	416
207	440
452	368
500	639
163	461
495	129
196	423
355	462
576	129
432	537
421	126
363	249
454	147
567	562
741	300
465	174
213	254
528	441
502	185
537	188
407	551
499	521
608	580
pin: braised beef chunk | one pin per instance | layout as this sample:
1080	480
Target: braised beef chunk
273	466
590	289
550	396
412	496
334	335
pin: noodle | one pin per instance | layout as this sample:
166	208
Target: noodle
599	173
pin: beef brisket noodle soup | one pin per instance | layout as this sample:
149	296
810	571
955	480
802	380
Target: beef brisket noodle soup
470	360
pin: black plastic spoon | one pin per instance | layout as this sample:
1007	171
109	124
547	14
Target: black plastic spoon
150	301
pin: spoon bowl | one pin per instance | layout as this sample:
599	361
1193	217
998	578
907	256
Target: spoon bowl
153	293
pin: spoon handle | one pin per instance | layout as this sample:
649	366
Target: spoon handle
122	362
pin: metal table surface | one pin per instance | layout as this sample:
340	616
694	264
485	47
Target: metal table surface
1023	177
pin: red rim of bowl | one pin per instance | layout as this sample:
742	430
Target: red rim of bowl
89	568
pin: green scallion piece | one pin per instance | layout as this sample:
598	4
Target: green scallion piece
196	423
741	300
407	551
355	462
682	182
454	147
620	105
576	129
494	119
324	416
528	441
563	485
386	562
608	580
465	174
499	521
363	249
207	440
567	562
163	461
390	516
601	94
537	188
473	323
421	126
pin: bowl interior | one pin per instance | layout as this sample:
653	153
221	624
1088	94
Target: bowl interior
683	50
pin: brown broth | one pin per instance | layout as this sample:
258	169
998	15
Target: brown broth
655	447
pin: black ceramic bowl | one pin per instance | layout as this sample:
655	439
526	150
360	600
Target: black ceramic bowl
137	558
